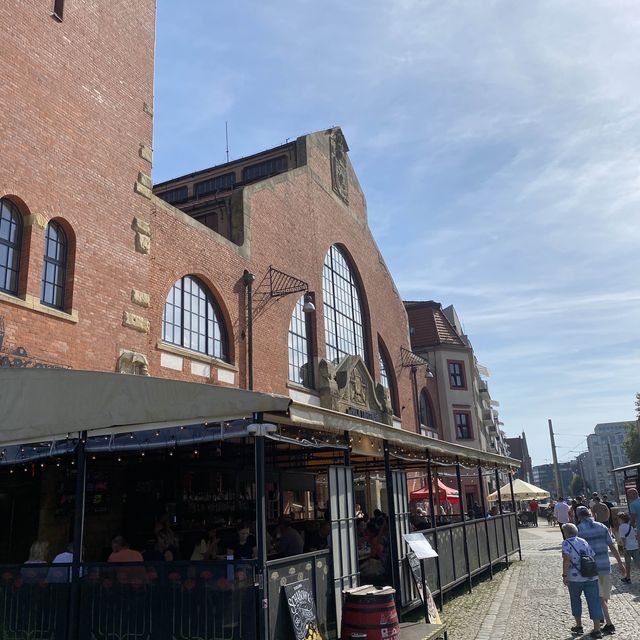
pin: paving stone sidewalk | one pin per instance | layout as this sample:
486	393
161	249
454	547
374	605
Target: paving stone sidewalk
529	601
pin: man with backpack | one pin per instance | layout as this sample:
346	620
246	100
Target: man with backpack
580	578
599	539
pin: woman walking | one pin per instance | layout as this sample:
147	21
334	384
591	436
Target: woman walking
573	551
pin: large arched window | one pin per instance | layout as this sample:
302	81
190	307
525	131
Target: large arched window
10	243
54	269
386	378
343	324
426	412
300	360
193	320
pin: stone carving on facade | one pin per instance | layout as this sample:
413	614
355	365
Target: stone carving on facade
339	165
327	385
143	235
349	388
133	363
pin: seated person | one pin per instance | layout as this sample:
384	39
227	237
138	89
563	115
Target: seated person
37	556
245	546
290	542
122	553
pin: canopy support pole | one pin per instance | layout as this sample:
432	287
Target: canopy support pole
395	568
504	531
434	524
262	600
486	522
464	525
513	508
78	535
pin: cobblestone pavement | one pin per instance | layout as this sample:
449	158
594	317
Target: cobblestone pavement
529	601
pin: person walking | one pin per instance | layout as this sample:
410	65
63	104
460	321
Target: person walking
600	511
561	512
600	540
627	536
634	509
573	548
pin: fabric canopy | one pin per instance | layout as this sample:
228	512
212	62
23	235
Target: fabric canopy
521	490
47	404
444	493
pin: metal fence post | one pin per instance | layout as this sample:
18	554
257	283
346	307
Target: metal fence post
486	522
515	513
434	525
464	525
393	534
504	532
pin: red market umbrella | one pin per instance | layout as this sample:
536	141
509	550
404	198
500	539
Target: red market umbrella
444	493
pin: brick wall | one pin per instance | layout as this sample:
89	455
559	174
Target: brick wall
74	114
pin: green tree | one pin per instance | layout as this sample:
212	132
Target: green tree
577	485
632	438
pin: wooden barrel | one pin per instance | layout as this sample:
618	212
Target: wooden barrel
370	611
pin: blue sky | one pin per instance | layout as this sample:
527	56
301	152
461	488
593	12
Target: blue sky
498	144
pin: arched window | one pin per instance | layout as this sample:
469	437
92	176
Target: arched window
386	378
426	413
54	270
193	320
343	325
10	243
300	360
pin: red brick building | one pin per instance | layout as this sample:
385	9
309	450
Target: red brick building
93	262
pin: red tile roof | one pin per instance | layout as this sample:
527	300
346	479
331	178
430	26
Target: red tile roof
429	325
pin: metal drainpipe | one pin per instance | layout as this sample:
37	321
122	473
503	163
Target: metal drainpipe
248	279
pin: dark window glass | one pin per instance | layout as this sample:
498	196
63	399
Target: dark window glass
426	413
344	330
300	361
386	379
10	244
456	375
54	271
463	425
193	320
265	169
175	195
218	183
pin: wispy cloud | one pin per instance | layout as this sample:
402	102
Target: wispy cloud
498	143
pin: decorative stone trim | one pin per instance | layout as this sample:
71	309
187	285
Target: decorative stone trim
37	220
34	304
133	363
143	235
140	189
194	355
136	322
140	298
147	108
146	152
145	180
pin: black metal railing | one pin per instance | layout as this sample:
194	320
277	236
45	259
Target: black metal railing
172	601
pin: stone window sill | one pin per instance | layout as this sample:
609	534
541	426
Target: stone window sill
33	304
194	355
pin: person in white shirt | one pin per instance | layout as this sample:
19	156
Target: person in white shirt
561	512
627	536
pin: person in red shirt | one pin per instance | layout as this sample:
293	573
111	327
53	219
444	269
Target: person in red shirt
534	507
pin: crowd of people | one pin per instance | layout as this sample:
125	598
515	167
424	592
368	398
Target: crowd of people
590	533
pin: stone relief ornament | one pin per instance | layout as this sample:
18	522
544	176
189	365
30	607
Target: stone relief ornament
133	363
339	168
349	388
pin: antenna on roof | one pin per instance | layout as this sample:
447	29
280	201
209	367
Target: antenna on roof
226	136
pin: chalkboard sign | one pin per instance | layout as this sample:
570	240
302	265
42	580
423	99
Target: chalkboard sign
302	608
416	571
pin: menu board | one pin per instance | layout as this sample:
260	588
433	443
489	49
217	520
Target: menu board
302	608
416	571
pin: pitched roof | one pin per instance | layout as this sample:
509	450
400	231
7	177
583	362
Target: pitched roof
429	325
